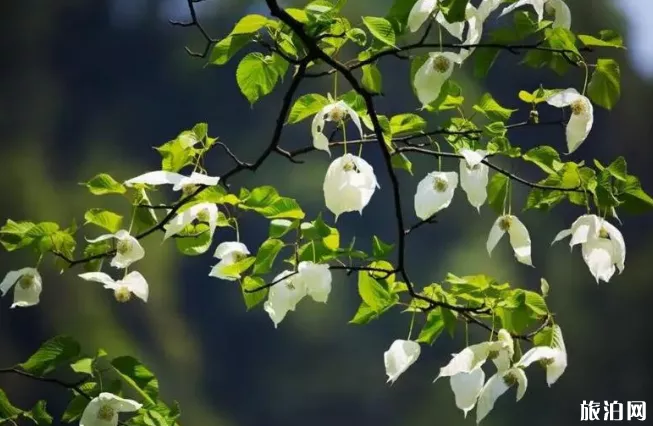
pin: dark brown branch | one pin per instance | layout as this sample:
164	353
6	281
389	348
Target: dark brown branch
72	386
194	22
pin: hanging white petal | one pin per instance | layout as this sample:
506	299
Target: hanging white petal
128	248
229	253
204	212
348	185
420	12
133	283
401	355
466	388
432	75
582	116
103	410
317	280
336	112
561	11
28	286
284	295
435	193
178	181
496	386
520	240
553	357
474	176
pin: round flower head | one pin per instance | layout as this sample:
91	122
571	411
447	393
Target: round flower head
582	116
434	193
336	112
27	285
432	75
348	185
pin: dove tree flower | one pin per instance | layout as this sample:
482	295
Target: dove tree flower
465	371
603	245
434	193
317	278
103	410
204	212
557	7
496	386
178	181
133	283
348	185
553	358
474	176
128	249
432	75
336	112
420	12
28	286
582	116
229	253
288	289
401	355
520	240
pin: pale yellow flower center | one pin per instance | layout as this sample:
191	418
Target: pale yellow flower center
493	355
187	190
337	114
122	294
106	413
603	233
441	64
578	107
505	223
203	216
350	166
474	167
440	185
510	379
238	257
26	281
290	285
124	246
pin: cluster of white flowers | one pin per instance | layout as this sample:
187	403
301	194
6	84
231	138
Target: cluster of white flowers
467	378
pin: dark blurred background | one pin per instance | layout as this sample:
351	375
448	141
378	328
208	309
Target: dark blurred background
91	86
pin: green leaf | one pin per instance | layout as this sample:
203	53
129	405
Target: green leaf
194	239
79	402
604	88
381	250
358	36
492	110
635	199
255	298
544	287
226	48
618	169
432	328
496	191
372	79
83	366
306	106
54	352
381	29
373	293
406	123
144	218
249	24
138	376
13	235
545	157
104	184
7	410
110	221
256	77
175	155
266	255
280	227
607	38
236	269
536	303
39	414
402	162
265	200
561	39
365	314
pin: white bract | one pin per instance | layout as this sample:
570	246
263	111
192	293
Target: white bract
582	116
401	355
28	288
434	193
475	20
474	176
420	13
229	253
553	357
520	240
317	279
178	181
558	7
288	289
603	246
496	386
133	283
466	374
103	410
348	185
430	77
128	249
204	212
336	112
